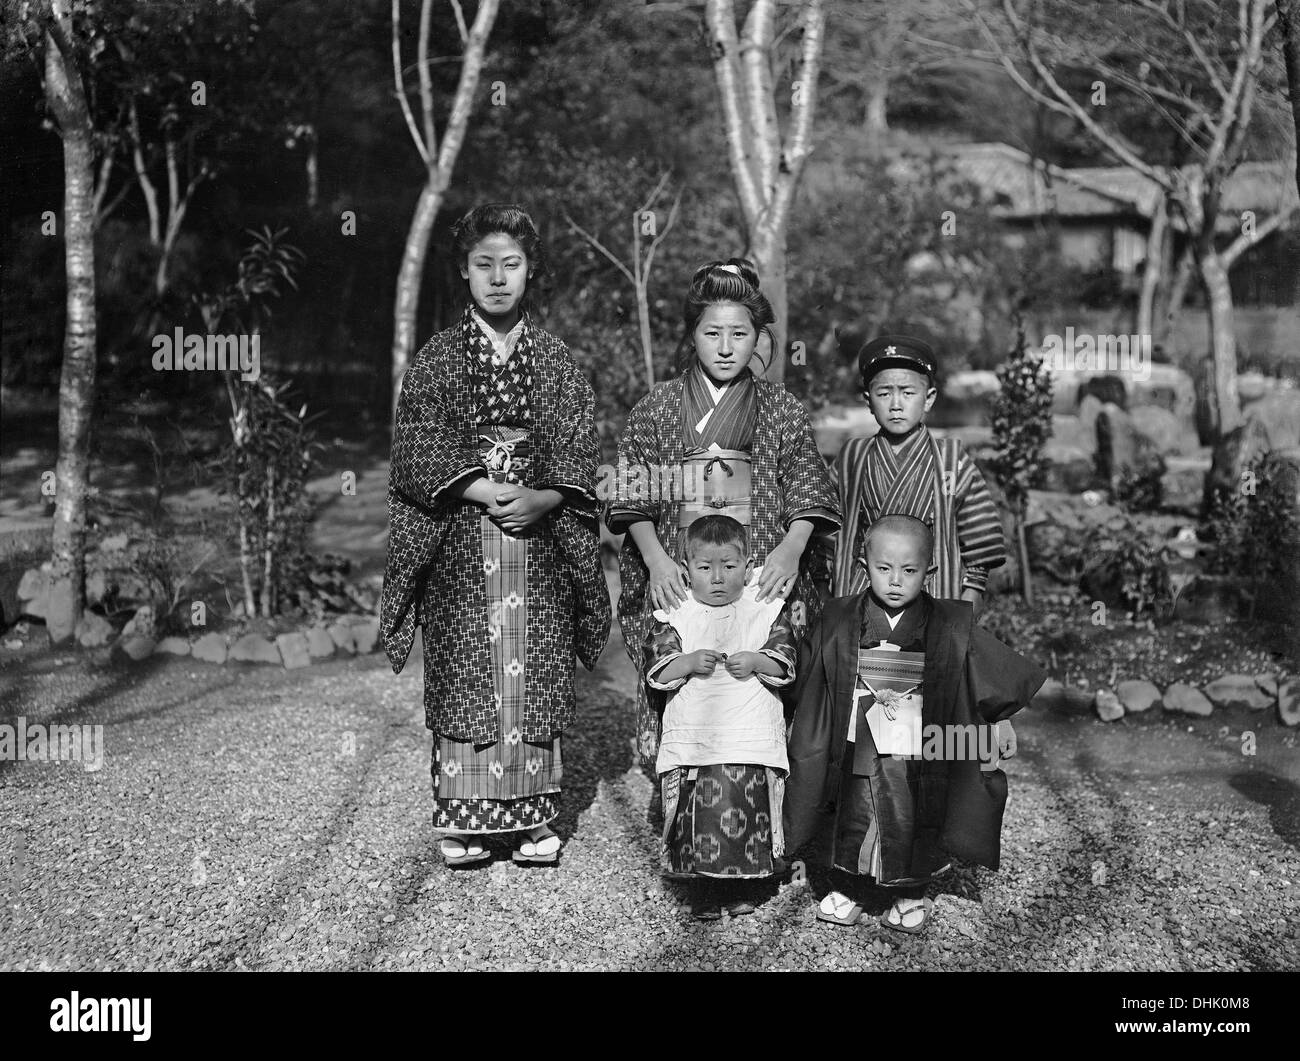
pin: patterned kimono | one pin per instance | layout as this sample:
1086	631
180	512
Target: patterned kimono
932	479
789	481
900	819
722	760
502	616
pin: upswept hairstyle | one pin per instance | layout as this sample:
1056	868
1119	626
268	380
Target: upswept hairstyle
734	280
512	220
717	530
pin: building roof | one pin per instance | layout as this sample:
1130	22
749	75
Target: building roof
1023	187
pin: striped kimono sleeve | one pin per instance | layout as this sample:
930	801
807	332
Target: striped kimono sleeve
979	528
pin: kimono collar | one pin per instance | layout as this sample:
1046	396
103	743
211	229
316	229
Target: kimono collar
501	348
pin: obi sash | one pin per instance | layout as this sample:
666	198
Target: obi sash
504	452
887	676
715	482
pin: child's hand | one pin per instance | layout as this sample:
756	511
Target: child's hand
743	664
702	663
1006	740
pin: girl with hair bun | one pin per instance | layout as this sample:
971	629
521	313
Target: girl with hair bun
716	441
493	546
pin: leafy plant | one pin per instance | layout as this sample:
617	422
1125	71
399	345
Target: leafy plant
1255	529
1022	424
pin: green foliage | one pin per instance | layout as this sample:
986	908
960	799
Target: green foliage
1022	423
1256	533
1122	558
265	464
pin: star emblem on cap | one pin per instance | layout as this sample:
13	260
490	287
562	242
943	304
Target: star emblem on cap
891	350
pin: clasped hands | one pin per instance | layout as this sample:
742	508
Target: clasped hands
515	508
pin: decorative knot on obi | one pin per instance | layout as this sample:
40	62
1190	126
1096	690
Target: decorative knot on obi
504	452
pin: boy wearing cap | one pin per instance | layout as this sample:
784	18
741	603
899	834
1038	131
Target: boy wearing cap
904	469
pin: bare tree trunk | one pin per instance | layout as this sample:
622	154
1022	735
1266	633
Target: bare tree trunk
768	251
1288	20
876	119
1223	341
766	169
65	94
1153	270
409	277
1174	298
1022	554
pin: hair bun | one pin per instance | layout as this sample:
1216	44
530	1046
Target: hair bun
745	269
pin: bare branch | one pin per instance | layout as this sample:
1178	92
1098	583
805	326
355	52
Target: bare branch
1245	241
1059	99
460	22
760	101
426	82
720	20
802	111
470	71
401	87
597	245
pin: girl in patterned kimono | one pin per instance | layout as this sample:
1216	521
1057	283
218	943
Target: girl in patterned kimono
716	440
493	547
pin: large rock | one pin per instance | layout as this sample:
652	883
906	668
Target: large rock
294	650
367	635
1237	690
92	630
254	648
1168	387
1169	437
1121	450
135	646
141	624
1107	706
34	592
1073	433
210	648
1138	695
1067	469
1288	702
1184	699
319	643
1278	415
343	637
175	646
1087	413
1182	487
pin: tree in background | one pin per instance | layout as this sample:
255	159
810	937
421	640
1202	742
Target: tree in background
765	166
50	26
1199	72
1022	424
439	158
645	223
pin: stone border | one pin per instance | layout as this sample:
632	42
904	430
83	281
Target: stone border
1255	693
348	635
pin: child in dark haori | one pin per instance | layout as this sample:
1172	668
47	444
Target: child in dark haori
899	724
493	547
720	656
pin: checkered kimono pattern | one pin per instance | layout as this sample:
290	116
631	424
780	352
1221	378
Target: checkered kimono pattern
434	574
790	481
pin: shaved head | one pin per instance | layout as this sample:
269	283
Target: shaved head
906	527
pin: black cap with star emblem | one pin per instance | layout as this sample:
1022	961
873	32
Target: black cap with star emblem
895	351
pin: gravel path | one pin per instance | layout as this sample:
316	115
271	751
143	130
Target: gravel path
261	819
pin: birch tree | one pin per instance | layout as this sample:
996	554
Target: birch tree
1200	75
65	95
439	158
765	164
